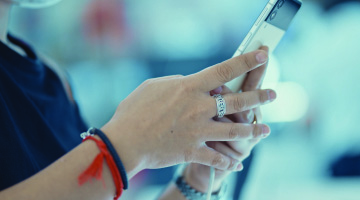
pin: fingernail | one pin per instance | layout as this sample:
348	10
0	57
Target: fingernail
261	57
240	167
265	131
271	95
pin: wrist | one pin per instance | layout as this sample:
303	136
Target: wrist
200	181
125	149
198	189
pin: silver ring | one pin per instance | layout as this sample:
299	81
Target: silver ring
220	105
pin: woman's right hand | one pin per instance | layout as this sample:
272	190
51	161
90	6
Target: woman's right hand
166	121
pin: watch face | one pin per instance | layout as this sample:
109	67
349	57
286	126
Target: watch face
34	3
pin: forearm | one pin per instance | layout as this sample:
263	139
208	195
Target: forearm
59	180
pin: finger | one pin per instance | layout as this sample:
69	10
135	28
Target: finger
216	91
244	147
220	131
246	116
219	74
247	100
221	147
228	118
239	102
241	117
210	157
225	90
236	117
253	142
224	119
254	78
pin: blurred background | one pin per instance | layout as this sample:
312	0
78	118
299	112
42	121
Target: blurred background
109	47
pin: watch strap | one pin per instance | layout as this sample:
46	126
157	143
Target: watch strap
192	194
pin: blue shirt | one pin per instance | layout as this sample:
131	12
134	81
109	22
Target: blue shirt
38	122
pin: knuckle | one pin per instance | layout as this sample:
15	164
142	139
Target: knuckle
247	62
148	82
233	133
239	104
224	72
245	133
218	160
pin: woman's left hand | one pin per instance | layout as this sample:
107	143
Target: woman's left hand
197	175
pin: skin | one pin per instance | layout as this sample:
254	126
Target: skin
164	122
197	175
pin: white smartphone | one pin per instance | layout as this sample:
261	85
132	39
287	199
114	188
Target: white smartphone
267	30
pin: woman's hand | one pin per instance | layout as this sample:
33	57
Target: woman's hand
166	121
197	175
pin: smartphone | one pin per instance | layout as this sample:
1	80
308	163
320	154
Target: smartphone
267	30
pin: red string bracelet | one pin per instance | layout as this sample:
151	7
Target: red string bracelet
96	167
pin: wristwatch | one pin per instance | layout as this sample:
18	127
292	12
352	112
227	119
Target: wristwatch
192	194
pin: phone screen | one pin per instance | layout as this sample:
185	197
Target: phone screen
268	29
282	14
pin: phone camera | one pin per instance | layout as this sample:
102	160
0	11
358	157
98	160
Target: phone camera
280	4
273	15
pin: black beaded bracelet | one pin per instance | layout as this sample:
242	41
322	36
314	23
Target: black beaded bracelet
114	154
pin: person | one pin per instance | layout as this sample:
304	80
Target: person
197	175
164	122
